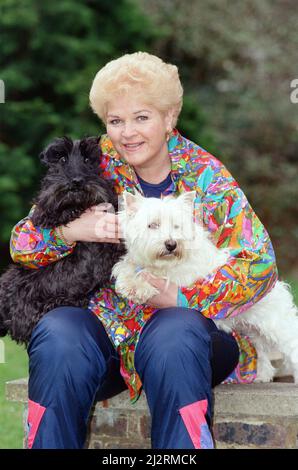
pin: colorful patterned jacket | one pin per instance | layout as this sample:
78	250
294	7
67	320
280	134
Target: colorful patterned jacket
223	208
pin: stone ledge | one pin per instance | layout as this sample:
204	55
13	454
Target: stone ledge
245	416
17	390
271	399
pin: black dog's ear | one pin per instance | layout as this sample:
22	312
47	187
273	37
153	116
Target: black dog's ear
92	141
52	153
90	146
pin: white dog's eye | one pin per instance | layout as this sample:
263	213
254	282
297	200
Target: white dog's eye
154	225
176	226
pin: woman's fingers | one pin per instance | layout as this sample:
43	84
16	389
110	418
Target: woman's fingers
110	240
106	228
98	223
158	283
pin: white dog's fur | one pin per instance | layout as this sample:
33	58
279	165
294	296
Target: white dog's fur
149	223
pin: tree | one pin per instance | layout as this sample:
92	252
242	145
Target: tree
50	52
237	60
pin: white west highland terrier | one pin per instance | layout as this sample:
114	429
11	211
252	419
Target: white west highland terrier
162	239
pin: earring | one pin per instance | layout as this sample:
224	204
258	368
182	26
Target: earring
168	133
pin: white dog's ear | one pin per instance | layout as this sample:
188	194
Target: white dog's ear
131	202
188	198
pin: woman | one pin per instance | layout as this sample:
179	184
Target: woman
170	347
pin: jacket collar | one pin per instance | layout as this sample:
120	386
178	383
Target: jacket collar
179	153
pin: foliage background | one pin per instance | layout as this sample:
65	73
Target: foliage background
236	59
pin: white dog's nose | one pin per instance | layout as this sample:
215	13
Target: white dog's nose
170	245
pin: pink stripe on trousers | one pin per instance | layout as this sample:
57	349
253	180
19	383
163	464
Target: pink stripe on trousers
193	416
35	414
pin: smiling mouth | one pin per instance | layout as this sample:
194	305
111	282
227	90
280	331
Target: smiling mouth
132	147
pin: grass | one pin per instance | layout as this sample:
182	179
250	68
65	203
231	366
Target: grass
16	367
11	413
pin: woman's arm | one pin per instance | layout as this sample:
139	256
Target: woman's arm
35	247
250	271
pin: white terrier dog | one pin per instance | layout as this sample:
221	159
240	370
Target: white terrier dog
162	239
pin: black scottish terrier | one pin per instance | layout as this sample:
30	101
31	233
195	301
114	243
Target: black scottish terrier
71	185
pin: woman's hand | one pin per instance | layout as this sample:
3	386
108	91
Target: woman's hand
167	296
94	225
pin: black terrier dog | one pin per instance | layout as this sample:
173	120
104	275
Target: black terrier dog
71	185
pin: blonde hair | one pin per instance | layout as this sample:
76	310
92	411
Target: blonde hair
157	83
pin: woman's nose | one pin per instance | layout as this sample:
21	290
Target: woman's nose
128	130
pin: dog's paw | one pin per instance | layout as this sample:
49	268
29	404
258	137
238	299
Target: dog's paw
137	292
265	372
141	297
224	325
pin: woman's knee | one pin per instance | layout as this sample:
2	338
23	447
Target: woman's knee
170	325
67	329
61	323
172	333
71	339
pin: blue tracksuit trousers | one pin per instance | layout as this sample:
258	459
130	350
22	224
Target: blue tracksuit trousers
180	356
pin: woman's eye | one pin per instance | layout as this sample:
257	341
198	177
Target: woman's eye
142	118
114	122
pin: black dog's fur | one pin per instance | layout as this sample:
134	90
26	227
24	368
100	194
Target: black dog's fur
71	185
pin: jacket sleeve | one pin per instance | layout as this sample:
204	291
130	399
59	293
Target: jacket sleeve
35	247
251	271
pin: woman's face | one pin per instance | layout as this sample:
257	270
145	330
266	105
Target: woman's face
138	131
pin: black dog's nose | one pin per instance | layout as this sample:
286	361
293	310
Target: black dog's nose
77	181
170	245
